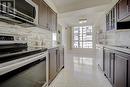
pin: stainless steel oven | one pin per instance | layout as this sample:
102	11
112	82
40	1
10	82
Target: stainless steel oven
23	67
25	72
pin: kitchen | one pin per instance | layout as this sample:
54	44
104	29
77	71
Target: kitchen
61	43
28	58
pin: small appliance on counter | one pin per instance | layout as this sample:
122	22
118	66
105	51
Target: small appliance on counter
20	65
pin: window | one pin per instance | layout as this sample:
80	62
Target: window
54	39
82	37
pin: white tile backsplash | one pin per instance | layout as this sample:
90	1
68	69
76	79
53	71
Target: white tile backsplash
118	38
36	37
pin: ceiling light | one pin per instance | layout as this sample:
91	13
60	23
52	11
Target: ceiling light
81	21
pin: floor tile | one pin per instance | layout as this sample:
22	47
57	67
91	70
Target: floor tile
80	71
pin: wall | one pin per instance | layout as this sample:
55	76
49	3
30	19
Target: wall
59	34
66	37
69	37
36	37
100	29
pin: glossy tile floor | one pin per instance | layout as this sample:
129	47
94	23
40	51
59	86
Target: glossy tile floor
80	71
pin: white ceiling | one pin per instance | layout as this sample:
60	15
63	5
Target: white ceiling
91	14
72	5
70	11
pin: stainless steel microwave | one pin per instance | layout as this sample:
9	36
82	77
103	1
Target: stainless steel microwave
19	10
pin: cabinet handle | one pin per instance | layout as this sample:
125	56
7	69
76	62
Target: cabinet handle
127	2
47	25
127	8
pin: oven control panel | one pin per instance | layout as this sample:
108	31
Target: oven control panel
9	39
6	38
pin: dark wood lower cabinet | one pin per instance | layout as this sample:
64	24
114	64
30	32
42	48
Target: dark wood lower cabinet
112	69
106	62
109	65
52	65
121	71
56	62
117	67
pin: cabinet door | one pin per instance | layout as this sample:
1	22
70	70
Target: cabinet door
106	62
61	58
110	20
128	2
42	13
107	22
49	18
109	64
113	18
52	64
54	21
99	56
120	71
58	60
122	10
111	67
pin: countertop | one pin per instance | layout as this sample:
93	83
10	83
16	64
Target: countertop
52	47
126	50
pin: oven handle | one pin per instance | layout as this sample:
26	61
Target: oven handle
11	67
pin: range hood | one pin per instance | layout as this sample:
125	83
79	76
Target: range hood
17	12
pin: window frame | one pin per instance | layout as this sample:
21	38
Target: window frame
88	33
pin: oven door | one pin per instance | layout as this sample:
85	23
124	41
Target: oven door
27	73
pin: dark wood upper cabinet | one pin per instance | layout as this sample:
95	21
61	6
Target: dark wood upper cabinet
108	21
52	20
119	17
42	13
122	10
111	19
128	2
47	18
